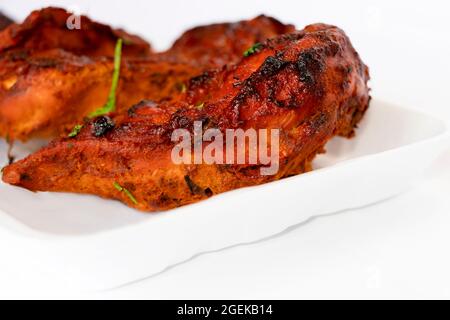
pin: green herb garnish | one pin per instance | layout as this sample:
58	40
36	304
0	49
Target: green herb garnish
110	104
253	49
75	131
200	106
128	193
181	87
127	41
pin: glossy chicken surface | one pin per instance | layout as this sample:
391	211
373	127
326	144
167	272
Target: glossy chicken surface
52	77
311	85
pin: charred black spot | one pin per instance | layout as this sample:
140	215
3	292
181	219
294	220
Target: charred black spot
308	66
205	121
164	198
252	171
178	120
271	66
208	192
141	104
9	154
195	189
201	80
25	177
319	121
102	125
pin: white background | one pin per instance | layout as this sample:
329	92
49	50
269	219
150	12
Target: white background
396	249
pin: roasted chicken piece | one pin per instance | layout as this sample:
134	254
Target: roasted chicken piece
45	84
54	28
54	90
48	85
215	45
311	85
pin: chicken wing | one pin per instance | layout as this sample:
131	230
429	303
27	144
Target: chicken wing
48	85
310	85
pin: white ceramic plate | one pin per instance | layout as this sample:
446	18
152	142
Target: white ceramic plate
88	242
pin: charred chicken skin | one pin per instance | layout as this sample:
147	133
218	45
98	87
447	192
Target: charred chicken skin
311	85
52	77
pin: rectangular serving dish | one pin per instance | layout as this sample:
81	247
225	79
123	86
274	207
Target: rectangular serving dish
86	242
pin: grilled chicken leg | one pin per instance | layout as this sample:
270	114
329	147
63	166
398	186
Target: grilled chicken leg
311	85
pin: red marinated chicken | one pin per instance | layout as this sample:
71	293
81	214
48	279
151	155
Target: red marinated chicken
311	85
215	45
48	29
52	77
